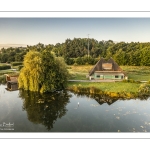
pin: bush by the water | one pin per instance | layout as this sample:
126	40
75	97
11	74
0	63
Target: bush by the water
144	89
4	67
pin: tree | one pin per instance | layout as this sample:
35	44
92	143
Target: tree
145	56
4	57
11	56
29	78
43	72
54	72
120	57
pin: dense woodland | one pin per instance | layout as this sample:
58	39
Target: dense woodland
75	52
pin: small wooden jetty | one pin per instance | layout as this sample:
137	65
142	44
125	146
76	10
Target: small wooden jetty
12	82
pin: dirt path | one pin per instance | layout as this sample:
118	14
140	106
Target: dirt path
99	81
92	80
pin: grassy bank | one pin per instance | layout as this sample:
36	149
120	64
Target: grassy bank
112	90
108	87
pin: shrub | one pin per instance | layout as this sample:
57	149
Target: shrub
4	67
129	81
16	63
69	61
79	61
144	89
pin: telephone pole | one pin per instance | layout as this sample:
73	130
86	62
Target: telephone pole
88	45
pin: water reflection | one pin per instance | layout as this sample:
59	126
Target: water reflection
44	109
101	99
60	112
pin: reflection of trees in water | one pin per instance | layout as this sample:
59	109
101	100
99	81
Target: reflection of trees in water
46	108
101	99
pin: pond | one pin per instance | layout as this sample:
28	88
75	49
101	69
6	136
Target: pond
65	111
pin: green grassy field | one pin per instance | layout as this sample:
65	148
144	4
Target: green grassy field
79	72
137	73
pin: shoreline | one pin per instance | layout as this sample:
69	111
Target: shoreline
125	90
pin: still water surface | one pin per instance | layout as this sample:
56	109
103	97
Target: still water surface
59	112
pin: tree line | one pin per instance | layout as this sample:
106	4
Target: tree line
75	51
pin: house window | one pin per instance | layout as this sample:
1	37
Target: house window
116	76
98	76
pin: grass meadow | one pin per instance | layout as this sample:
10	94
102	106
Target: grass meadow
137	73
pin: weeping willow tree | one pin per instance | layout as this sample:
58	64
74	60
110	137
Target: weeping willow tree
30	73
43	72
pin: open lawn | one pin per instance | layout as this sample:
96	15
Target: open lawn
79	72
137	73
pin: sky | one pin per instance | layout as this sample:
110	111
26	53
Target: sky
31	31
